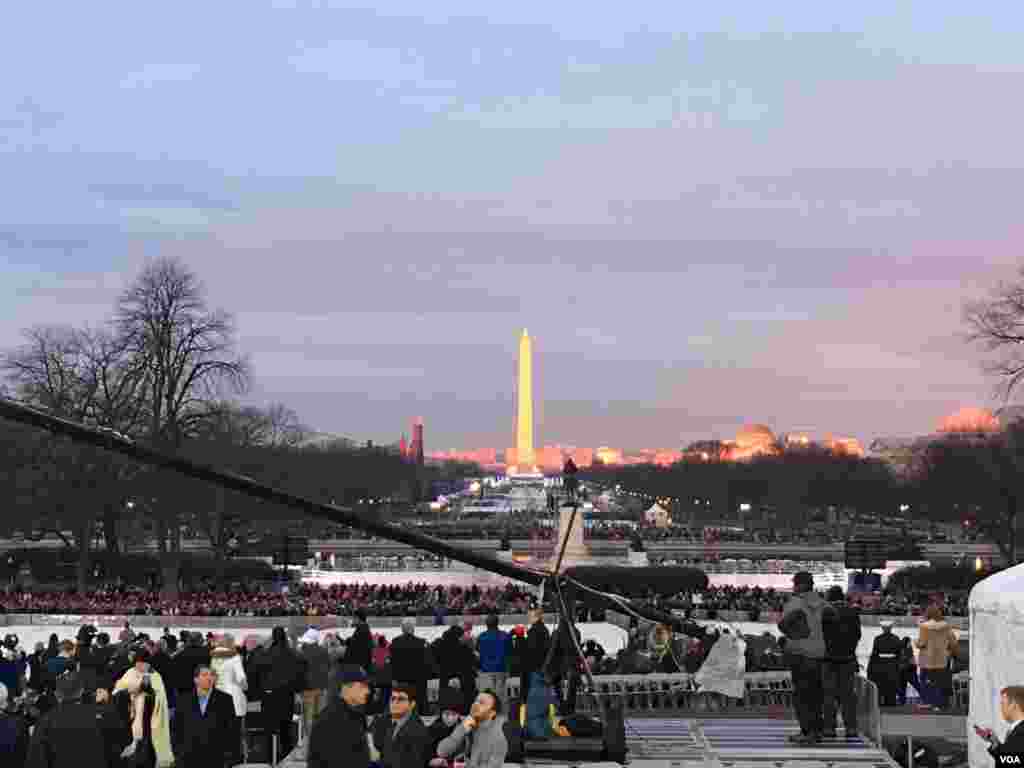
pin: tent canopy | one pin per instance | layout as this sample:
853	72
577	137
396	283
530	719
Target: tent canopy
997	653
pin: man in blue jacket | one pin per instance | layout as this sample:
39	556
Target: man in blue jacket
494	647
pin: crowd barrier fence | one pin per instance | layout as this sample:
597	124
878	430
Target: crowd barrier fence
391	622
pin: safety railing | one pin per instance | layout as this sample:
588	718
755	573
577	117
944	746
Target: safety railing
961	689
668	692
869	717
764	690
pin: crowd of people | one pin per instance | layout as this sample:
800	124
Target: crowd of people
185	698
151	702
412	599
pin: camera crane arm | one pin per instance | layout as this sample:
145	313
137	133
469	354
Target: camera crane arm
113	441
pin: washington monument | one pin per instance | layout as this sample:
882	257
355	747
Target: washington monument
525	459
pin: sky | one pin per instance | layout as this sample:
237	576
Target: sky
705	216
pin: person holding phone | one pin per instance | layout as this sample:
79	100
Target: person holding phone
482	733
1011	707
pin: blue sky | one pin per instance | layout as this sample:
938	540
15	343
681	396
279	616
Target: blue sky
705	215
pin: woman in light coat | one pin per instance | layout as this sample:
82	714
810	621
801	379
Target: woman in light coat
226	664
146	687
936	643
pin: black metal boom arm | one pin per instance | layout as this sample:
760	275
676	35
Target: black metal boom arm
112	441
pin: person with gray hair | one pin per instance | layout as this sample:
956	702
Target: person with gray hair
410	661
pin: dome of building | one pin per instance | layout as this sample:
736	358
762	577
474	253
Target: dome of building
754	436
970	420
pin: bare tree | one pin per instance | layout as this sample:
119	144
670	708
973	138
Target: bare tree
190	360
978	479
87	376
283	427
997	323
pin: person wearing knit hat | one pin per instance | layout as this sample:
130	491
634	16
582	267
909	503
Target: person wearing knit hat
452	708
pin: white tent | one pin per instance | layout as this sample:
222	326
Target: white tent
997	653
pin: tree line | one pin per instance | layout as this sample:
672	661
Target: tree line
165	369
972	479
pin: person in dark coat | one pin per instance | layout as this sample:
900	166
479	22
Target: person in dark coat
456	660
338	739
61	663
410	661
535	650
318	665
69	736
359	650
399	735
841	627
114	719
207	729
884	665
36	668
908	672
282	675
184	664
1011	707
452	711
13	735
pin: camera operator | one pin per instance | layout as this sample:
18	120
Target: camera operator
13	734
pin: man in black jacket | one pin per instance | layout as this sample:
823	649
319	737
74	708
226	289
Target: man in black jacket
338	739
70	735
399	735
535	650
282	674
359	650
841	627
410	662
207	731
184	663
1011	707
884	665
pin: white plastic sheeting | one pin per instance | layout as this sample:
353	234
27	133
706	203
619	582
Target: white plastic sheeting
723	671
997	653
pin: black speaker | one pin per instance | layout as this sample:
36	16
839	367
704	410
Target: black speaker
615	731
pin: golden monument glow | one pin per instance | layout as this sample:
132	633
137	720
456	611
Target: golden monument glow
525	460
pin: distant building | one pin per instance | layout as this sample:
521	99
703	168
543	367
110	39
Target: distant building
751	441
844	446
967	424
417	442
607	455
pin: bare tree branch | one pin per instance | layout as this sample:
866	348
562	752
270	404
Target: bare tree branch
997	324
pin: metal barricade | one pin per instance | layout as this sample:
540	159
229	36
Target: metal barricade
660	691
961	690
869	718
679	692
